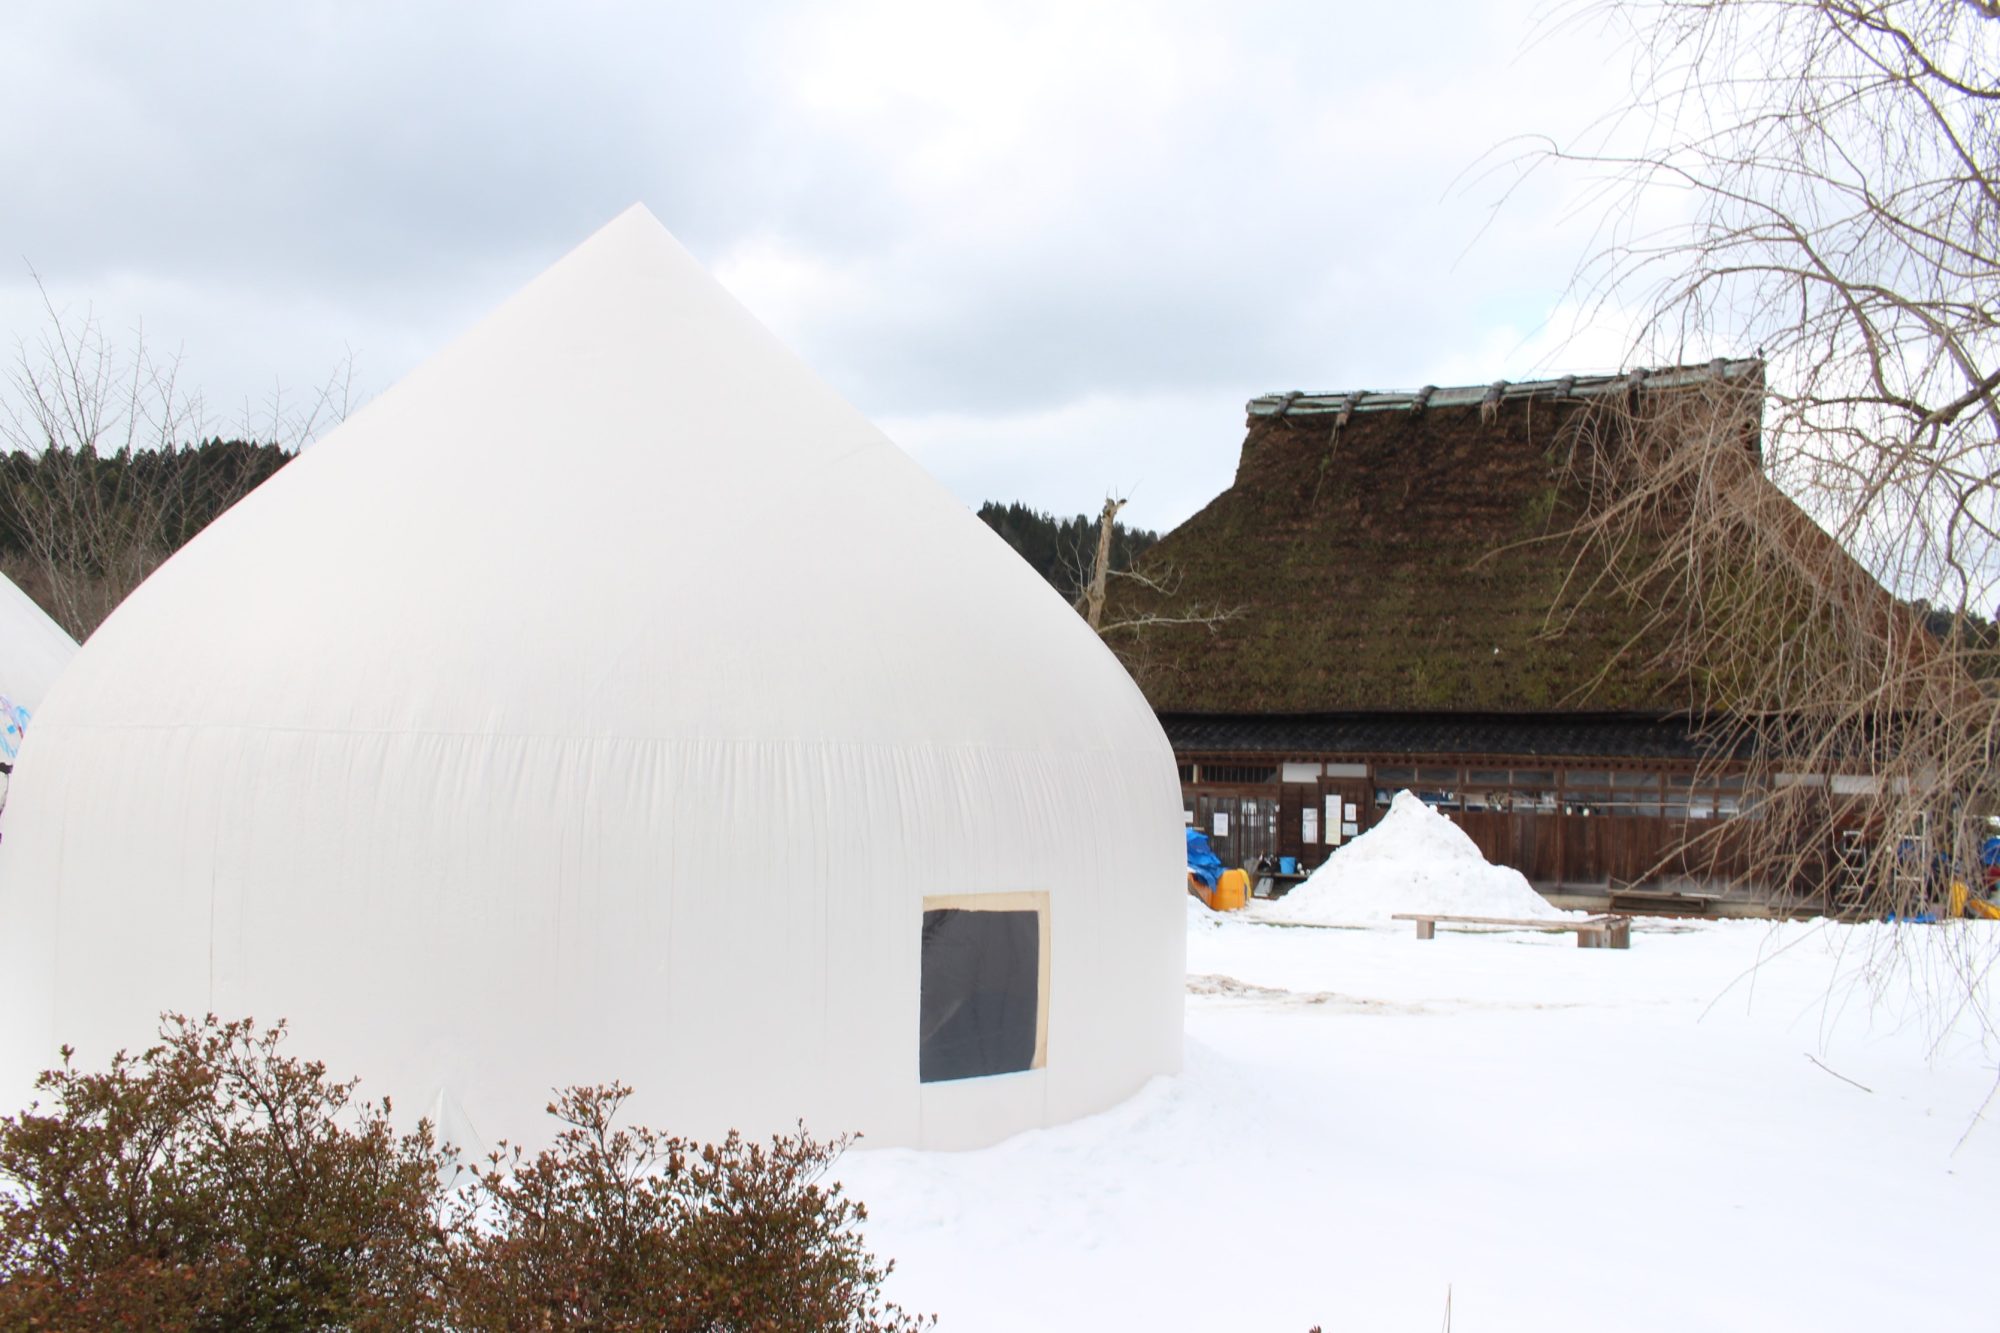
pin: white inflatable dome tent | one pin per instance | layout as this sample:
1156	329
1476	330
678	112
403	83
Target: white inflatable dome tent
33	652
610	700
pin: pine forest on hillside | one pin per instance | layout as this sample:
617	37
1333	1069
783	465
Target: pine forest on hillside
1061	549
79	529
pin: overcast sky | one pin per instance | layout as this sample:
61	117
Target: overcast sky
1051	248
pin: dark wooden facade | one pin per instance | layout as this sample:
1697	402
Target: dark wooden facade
1647	806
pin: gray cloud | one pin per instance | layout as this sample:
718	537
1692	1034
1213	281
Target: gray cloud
984	218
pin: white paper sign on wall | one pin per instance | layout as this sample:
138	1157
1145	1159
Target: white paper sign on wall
1221	823
1309	825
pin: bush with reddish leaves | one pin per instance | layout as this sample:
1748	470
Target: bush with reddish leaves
627	1229
213	1183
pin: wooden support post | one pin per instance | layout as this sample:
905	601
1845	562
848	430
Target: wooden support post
1426	929
1613	933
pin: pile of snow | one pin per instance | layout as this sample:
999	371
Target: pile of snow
1415	860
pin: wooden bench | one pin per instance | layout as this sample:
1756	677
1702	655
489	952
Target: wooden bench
1632	898
1592	932
1275	883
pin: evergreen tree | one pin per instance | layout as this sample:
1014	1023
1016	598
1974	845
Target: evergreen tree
1062	550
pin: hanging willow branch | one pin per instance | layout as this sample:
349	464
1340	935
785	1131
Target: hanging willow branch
1818	180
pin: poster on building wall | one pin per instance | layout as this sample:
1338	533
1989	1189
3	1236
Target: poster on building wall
1221	823
1347	830
1309	825
1351	813
1332	820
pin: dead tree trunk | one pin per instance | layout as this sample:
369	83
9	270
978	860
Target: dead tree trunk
1100	569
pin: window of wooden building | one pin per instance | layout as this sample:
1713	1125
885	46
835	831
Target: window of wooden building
1239	775
1574	791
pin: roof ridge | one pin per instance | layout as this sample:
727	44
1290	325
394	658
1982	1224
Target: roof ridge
1488	396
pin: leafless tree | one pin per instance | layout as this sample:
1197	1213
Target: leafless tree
1090	600
75	399
1158	583
1818	180
1867	735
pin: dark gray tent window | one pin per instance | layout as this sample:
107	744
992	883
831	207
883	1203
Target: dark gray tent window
981	993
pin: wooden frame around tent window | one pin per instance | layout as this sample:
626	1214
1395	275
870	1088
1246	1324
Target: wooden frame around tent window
1035	902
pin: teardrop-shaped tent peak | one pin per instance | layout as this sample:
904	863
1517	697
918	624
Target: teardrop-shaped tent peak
624	346
624	241
635	213
617	506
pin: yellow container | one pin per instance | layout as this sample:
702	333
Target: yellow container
1232	891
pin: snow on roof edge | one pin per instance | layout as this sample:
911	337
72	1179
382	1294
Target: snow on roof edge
1431	396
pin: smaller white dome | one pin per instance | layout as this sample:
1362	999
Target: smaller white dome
33	648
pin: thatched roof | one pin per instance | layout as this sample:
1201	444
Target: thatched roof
1403	552
1564	735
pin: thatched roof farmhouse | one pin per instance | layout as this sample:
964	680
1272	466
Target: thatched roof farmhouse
1386	598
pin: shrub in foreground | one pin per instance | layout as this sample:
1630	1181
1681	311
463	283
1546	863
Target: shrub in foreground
628	1229
213	1183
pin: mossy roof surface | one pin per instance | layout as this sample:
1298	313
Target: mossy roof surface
1407	560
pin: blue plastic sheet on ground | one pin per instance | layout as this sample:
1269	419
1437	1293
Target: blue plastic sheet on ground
1203	863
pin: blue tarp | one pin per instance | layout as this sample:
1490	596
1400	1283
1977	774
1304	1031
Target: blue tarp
1203	863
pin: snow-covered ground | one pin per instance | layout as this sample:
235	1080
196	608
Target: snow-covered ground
1732	1125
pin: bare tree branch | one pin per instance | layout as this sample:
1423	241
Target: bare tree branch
1818	180
80	412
